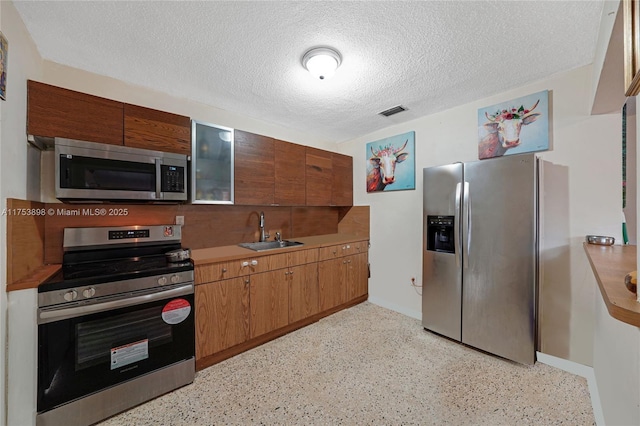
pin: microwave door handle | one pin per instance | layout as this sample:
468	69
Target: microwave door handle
158	178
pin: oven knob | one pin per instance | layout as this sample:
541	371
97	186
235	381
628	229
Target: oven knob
89	292
175	278
70	295
162	280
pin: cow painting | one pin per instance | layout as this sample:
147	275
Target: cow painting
383	166
501	131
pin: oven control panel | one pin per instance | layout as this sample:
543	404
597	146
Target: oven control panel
86	294
133	233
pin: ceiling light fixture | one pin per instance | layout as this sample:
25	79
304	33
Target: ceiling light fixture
322	62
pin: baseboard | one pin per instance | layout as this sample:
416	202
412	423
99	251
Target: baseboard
401	309
582	371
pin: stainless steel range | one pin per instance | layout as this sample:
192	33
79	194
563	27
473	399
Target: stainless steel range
116	328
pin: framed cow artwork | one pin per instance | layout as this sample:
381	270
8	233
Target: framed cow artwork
391	163
514	127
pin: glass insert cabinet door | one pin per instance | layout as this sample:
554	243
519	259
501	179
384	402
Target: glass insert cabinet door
212	163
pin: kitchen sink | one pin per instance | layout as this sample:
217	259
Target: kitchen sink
270	245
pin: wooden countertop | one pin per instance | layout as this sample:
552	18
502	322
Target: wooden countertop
203	256
610	264
221	254
39	276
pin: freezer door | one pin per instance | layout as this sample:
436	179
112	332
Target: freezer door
441	271
499	227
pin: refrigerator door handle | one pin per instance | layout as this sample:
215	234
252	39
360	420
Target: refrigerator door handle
466	207
458	237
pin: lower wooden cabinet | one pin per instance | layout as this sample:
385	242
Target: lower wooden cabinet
331	281
342	279
275	295
222	315
303	292
269	302
357	276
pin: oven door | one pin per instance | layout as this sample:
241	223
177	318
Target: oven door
83	349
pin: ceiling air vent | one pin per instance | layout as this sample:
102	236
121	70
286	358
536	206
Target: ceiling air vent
393	110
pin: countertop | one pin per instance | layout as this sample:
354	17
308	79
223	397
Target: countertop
610	264
224	253
37	277
204	256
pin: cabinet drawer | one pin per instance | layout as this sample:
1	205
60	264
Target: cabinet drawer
360	247
219	271
346	249
302	257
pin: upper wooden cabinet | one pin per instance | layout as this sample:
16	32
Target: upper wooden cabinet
319	171
157	130
253	168
56	112
329	178
342	180
289	187
631	11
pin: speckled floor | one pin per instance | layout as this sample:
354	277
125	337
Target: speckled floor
369	365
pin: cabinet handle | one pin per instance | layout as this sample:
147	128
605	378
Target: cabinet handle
344	261
247	281
291	273
286	273
245	263
254	262
348	261
224	270
335	252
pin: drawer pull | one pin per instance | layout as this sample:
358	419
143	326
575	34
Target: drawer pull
245	263
335	252
224	270
286	273
254	262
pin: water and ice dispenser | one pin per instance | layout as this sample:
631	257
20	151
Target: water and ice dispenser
440	233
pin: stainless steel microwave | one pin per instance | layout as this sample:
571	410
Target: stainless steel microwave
87	171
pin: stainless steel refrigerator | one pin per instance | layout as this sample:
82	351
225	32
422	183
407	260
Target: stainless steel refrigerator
480	254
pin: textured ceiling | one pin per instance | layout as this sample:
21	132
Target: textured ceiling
244	56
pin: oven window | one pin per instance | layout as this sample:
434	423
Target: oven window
96	339
96	173
81	355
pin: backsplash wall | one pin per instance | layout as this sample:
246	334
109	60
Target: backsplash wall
205	225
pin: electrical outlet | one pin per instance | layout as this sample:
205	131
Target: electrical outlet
179	220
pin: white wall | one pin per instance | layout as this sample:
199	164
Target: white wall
589	148
23	63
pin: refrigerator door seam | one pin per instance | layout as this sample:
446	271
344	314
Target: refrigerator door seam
467	216
458	237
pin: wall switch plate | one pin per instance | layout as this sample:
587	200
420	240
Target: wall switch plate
179	220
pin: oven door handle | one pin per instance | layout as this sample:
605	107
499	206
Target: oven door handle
46	316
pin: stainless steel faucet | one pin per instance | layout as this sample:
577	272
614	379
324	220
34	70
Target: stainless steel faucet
263	236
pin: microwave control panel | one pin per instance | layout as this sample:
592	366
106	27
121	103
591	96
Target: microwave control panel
173	178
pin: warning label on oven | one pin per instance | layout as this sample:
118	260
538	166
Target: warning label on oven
176	311
129	353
